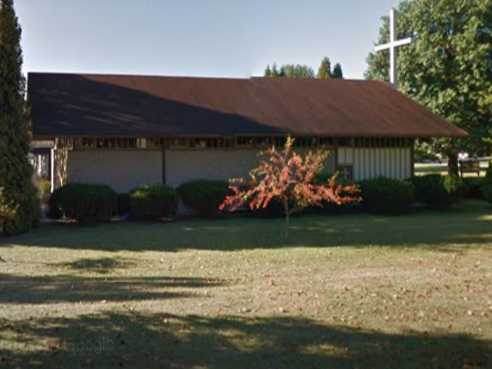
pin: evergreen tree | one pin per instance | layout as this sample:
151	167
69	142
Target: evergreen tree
283	71
15	171
275	72
324	70
337	72
301	71
447	67
290	71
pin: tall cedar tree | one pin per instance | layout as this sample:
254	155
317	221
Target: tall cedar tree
447	67
337	71
290	178
15	171
324	70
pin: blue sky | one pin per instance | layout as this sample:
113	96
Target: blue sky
228	38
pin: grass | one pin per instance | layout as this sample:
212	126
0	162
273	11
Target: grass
351	291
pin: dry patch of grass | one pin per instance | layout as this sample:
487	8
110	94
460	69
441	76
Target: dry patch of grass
343	292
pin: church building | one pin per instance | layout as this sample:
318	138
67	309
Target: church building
127	131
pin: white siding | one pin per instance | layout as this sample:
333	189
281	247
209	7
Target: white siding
186	165
374	162
123	170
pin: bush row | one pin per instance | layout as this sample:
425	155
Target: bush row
88	203
438	192
392	197
85	203
387	196
432	191
153	202
479	187
204	196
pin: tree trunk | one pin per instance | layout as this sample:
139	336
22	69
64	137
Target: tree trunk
287	218
453	169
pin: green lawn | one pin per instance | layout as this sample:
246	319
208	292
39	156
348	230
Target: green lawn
349	291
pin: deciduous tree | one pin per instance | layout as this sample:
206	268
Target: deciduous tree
290	178
447	67
324	70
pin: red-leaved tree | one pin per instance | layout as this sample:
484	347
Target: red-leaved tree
289	178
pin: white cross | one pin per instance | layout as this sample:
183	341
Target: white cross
392	45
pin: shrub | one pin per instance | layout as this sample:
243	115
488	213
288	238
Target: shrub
488	173
322	178
455	186
486	184
204	196
387	196
123	203
487	192
54	208
85	203
274	209
438	192
473	187
153	202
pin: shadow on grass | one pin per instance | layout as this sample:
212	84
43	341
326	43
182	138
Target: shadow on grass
468	224
111	340
66	288
99	265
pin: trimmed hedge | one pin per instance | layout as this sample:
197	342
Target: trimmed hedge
275	209
123	203
486	188
473	187
487	192
153	202
85	203
438	192
455	186
387	196
204	196
488	173
486	185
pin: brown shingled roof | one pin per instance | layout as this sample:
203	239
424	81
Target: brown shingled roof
122	105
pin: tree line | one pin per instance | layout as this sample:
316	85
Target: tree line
325	71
